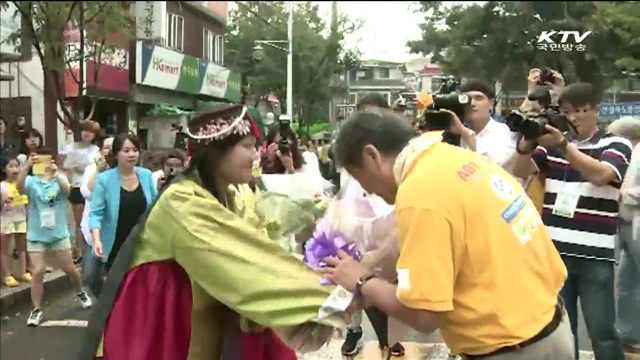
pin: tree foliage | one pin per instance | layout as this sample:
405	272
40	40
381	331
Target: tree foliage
44	24
318	51
497	40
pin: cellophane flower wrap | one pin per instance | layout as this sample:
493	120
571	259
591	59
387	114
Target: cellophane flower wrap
290	206
365	228
283	215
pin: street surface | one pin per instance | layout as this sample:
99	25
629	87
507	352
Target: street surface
60	335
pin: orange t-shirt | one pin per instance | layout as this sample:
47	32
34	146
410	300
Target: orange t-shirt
474	247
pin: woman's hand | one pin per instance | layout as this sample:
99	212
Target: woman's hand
272	150
287	161
31	160
97	248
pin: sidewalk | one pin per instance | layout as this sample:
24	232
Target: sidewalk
10	298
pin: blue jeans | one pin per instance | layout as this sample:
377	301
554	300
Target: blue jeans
593	282
92	271
629	285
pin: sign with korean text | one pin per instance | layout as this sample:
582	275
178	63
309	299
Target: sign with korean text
167	69
610	110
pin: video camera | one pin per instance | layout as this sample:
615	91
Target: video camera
449	98
532	125
284	122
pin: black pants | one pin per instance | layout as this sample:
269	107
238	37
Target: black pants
379	321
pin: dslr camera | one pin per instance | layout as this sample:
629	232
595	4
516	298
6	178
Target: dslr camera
284	123
546	77
532	125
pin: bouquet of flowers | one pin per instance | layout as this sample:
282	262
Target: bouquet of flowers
362	227
289	206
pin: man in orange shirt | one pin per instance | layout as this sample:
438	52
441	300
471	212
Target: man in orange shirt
476	261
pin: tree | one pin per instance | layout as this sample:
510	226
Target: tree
67	34
318	52
497	40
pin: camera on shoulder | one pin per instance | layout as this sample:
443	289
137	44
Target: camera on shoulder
449	97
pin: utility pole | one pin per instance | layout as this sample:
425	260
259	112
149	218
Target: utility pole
290	62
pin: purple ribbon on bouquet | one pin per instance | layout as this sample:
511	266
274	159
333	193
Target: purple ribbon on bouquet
326	243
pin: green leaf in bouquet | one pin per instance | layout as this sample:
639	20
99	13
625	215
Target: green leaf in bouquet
285	216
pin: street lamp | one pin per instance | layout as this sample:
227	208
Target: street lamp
258	54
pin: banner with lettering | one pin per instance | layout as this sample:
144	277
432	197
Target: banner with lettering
163	68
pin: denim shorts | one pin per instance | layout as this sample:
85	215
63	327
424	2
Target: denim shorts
37	246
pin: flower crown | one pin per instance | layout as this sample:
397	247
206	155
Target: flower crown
220	127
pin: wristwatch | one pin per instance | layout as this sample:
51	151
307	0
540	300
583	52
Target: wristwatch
363	279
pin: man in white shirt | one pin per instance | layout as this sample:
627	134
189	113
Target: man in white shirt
486	136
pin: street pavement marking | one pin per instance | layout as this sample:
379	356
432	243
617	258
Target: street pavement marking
65	323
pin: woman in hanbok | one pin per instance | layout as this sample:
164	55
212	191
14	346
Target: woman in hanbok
199	266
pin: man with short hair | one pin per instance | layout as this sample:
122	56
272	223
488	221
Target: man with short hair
173	164
351	188
584	172
475	260
485	136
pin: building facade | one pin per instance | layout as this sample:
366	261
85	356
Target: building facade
175	61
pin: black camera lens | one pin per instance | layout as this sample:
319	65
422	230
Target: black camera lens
546	76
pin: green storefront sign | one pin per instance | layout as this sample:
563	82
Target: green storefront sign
167	69
189	75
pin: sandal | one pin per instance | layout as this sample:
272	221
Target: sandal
10	281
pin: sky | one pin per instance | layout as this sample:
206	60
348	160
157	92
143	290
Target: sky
387	27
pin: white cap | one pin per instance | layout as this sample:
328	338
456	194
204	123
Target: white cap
269	119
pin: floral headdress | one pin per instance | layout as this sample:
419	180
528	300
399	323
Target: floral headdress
222	123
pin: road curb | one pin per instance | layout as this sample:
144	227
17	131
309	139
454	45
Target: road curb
54	282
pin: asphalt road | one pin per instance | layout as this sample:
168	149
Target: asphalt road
60	340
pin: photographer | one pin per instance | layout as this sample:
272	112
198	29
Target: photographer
486	136
172	166
583	172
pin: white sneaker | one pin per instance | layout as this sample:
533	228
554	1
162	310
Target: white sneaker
84	299
35	318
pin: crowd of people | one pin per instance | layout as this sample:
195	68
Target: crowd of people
499	236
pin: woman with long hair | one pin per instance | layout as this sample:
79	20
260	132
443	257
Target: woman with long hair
275	162
200	261
32	140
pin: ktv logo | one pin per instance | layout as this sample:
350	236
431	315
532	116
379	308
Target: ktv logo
546	40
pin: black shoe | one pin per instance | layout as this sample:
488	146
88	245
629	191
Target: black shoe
350	346
397	350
